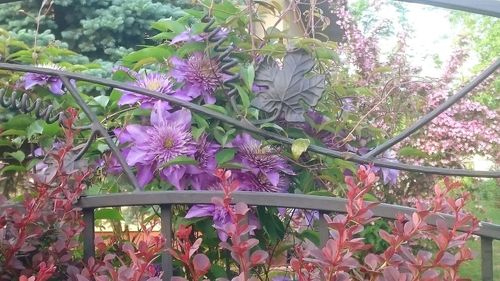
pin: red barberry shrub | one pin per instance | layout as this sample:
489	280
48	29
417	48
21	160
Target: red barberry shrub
345	255
38	237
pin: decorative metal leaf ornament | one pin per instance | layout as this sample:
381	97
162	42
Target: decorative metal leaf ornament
287	89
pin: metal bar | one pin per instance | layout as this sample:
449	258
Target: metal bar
324	232
434	113
485	7
249	127
97	127
286	200
486	259
166	231
88	234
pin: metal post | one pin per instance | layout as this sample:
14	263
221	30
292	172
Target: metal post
88	234
324	233
487	259
166	231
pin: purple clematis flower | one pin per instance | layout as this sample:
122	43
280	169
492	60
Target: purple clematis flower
156	82
153	146
200	74
267	168
261	183
54	83
202	175
219	215
389	176
188	36
348	104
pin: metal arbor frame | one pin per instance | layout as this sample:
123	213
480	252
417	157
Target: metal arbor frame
488	232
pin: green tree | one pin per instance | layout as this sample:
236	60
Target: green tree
104	29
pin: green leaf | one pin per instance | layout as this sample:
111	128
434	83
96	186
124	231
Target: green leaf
321	193
32	163
35	128
102	147
207	228
217	108
19	122
13	132
274	126
51	130
18	155
224	10
189	48
163	36
231	166
271	224
159	53
93	189
108	214
13	168
179	160
168	25
217	271
197	132
370	197
299	146
245	99
225	155
4	142
310	235
248	75
221	135
102	101
412	152
326	54
202	122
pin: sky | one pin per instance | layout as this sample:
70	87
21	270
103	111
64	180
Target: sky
432	35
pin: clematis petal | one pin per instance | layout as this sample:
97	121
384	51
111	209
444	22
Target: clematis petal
129	98
174	174
55	87
198	211
160	114
137	132
145	174
31	80
136	155
273	177
182	117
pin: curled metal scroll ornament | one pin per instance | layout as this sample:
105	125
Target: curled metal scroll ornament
288	89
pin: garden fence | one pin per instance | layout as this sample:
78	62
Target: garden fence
166	199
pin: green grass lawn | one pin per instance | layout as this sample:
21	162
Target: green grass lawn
488	197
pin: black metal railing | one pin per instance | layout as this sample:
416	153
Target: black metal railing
488	232
166	199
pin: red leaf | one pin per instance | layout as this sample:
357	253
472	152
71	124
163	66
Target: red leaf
201	264
241	208
259	257
195	246
391	274
386	236
372	261
448	259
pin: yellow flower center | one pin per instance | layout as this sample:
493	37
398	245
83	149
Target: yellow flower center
153	85
169	143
